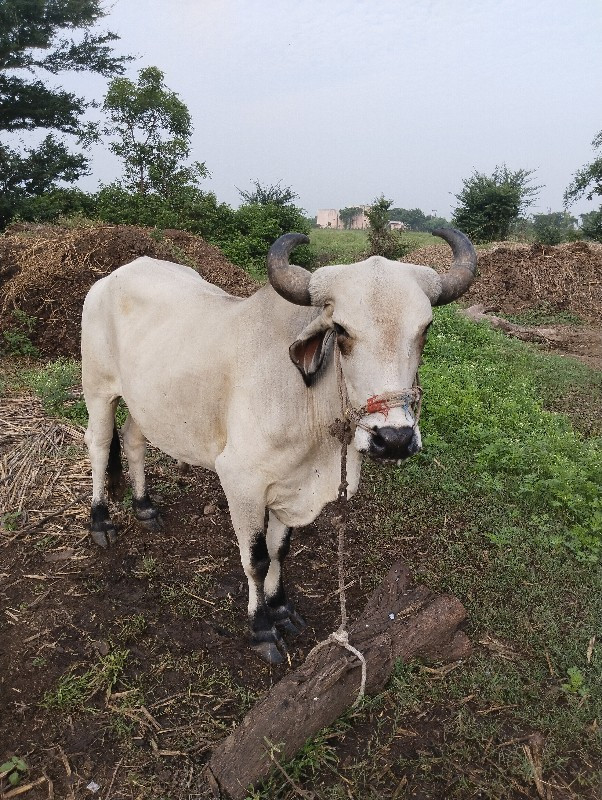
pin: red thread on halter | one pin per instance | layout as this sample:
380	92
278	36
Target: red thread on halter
377	404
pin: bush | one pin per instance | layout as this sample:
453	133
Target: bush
554	227
490	204
256	227
384	241
591	225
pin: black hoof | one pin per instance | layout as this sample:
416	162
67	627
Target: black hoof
146	513
153	524
269	645
286	626
105	536
287	619
268	652
102	530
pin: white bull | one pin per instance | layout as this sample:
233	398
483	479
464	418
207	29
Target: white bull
248	388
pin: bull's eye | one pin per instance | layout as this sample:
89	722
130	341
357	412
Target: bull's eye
340	331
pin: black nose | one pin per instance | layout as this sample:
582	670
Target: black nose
391	442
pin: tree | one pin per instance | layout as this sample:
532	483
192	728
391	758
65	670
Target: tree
347	215
553	227
384	241
31	44
588	181
273	194
588	177
591	225
151	129
489	204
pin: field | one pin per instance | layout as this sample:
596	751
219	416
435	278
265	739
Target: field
123	668
344	247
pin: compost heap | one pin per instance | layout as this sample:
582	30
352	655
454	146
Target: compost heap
514	278
46	271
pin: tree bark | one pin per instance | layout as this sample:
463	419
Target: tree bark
398	622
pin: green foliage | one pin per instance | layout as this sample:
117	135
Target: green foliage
489	204
29	177
347	214
17	340
273	194
384	241
189	210
255	227
588	180
57	386
13	770
554	227
484	420
32	43
151	129
591	225
74	691
576	683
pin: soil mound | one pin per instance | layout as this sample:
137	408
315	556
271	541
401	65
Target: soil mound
515	278
46	272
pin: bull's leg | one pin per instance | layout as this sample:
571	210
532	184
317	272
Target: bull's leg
134	445
98	437
247	512
281	609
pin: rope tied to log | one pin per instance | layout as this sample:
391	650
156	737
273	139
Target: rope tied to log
343	429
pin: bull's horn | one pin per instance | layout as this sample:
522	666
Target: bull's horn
462	272
290	281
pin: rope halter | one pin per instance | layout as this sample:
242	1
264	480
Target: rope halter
408	399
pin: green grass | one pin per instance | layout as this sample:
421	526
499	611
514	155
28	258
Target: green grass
345	247
74	691
504	509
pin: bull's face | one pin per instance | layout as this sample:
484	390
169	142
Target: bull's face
379	311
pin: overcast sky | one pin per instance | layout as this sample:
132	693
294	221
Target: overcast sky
346	99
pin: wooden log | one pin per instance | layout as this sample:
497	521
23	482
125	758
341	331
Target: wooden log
527	333
398	622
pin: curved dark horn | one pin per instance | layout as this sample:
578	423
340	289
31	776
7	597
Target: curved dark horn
462	272
290	281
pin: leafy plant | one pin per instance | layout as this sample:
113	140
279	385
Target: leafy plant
74	691
17	339
384	241
56	384
13	770
489	204
576	683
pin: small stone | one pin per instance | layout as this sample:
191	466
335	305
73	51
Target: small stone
93	787
210	508
391	616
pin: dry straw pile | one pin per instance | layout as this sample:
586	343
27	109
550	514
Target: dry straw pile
46	272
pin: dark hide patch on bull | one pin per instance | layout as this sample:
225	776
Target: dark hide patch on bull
260	558
308	354
115	467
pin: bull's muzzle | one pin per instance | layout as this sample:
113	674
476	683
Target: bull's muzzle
393	443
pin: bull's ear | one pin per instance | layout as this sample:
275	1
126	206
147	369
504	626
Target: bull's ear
308	350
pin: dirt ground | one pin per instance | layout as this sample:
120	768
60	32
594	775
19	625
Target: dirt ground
144	644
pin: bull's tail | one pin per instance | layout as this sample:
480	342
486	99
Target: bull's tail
115	467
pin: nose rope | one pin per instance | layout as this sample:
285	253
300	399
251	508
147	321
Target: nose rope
410	399
382	403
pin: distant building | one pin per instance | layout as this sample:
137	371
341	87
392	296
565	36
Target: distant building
397	225
329	218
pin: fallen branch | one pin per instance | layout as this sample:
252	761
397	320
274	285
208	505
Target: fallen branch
398	623
527	333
